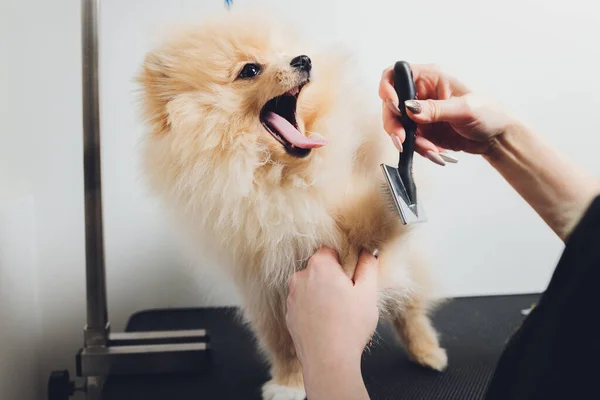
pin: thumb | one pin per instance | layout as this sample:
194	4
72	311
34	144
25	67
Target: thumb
454	109
365	274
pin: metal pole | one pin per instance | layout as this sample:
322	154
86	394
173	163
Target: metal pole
106	353
96	330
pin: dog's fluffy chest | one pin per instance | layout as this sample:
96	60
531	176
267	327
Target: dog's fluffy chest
285	227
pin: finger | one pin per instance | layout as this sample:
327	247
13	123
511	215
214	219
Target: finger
289	312
325	255
425	76
391	124
386	86
429	77
365	274
292	284
420	71
449	158
429	80
428	150
429	111
423	145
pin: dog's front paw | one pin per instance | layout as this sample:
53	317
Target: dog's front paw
273	391
432	357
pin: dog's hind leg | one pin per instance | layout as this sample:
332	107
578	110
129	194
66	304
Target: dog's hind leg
419	336
408	310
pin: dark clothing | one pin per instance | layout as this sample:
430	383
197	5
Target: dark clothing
556	352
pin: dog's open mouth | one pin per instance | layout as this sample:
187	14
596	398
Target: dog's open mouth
278	117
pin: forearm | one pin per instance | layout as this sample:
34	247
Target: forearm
340	380
555	187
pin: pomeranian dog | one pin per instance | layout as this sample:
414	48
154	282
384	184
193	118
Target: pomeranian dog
266	148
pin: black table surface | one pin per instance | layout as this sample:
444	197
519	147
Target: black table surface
473	330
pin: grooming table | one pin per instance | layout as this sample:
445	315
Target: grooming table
473	331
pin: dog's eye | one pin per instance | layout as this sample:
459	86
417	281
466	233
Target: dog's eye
249	71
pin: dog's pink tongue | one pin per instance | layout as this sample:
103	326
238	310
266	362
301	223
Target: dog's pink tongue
291	134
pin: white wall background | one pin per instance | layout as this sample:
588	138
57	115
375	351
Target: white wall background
540	58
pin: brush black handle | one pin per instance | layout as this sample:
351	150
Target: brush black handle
405	89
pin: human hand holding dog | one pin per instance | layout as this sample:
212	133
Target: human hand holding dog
331	319
449	115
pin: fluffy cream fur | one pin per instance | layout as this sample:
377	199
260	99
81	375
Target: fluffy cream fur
263	211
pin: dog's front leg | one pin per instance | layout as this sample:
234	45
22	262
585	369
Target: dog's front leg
266	312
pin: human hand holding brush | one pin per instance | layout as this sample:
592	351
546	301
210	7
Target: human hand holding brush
449	115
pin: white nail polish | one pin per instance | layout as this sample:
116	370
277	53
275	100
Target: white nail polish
448	158
397	143
435	157
394	108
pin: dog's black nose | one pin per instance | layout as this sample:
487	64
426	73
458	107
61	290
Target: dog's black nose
302	63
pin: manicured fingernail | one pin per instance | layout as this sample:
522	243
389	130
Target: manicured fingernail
435	157
374	252
397	143
414	106
448	158
394	108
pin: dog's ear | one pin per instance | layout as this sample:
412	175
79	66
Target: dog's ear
156	64
156	89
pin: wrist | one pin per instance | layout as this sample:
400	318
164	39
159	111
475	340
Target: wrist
504	145
330	353
316	364
334	378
